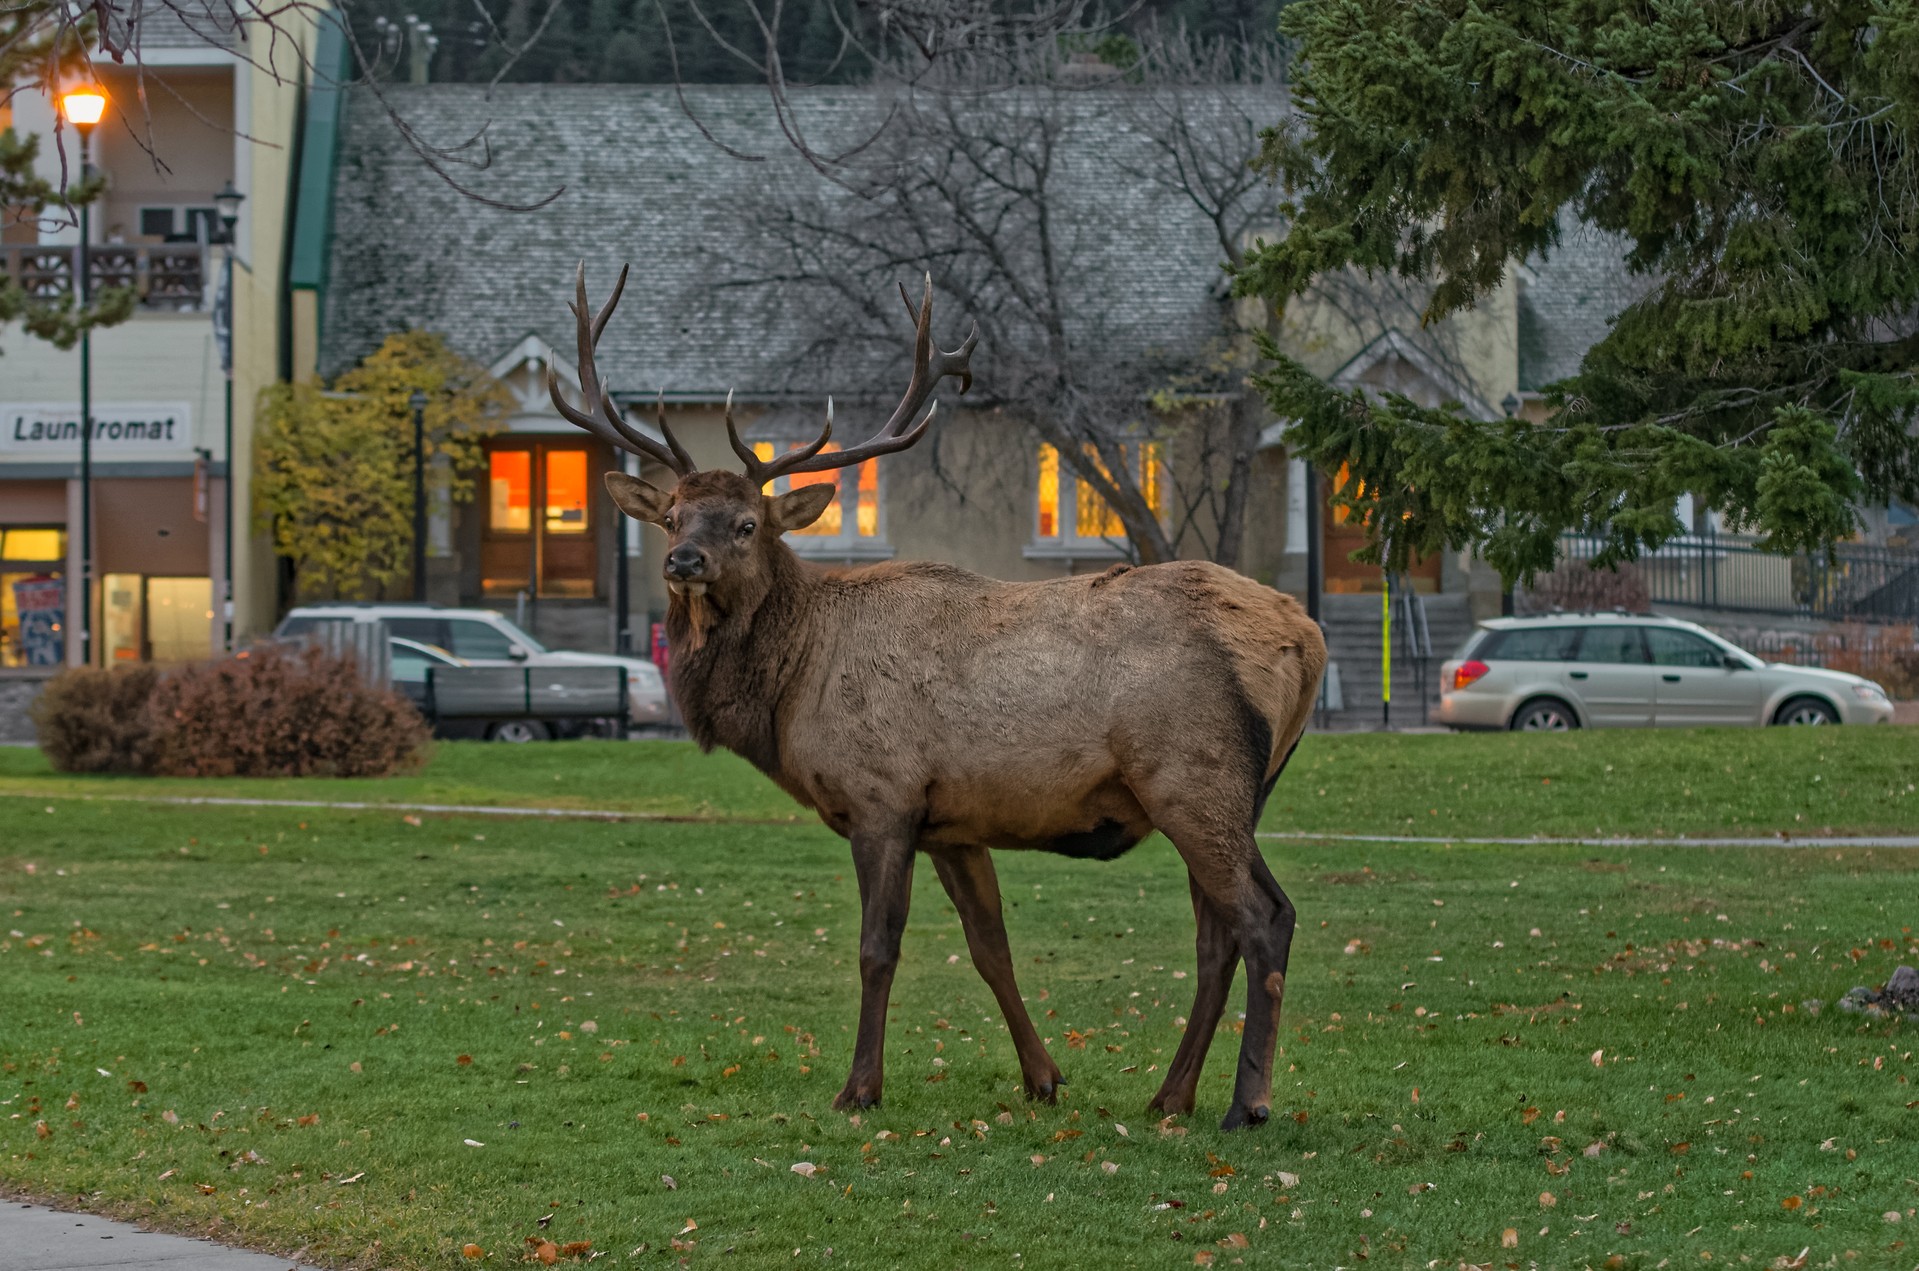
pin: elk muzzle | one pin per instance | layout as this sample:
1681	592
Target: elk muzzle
686	570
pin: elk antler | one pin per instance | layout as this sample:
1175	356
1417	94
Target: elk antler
930	366
602	418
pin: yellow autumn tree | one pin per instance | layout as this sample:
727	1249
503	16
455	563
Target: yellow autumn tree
333	468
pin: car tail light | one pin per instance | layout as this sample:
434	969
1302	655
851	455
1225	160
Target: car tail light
1468	672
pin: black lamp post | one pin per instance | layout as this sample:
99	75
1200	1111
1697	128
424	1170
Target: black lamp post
83	108
1510	404
418	402
228	202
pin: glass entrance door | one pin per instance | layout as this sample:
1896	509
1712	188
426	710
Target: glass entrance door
538	535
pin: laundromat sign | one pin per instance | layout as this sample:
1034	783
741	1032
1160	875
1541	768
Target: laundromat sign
121	430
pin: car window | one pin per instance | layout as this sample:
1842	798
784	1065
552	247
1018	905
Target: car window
424	630
1611	644
297	626
409	666
1681	648
475	639
1532	644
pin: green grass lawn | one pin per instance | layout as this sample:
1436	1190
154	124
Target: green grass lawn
1622	782
283	1027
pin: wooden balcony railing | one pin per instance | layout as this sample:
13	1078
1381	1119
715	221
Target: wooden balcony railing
169	277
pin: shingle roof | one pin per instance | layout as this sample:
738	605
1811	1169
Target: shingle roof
171	24
642	184
1576	291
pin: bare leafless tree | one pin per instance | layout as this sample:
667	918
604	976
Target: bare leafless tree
1037	188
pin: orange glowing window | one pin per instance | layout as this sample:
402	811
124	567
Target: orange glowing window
832	522
1342	514
1092	516
510	491
566	492
1048	492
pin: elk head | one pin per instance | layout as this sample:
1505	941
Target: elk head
723	528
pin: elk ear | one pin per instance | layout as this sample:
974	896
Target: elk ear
800	508
636	498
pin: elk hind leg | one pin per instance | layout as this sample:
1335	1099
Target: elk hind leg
1218	956
968	876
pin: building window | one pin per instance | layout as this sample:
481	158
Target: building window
32	596
551	554
144	619
1070	511
851	523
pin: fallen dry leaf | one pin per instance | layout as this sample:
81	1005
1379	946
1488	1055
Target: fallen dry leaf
670	1183
1791	1202
1599	1059
1417	1188
1236	1240
576	1248
1287	1180
1111	1167
170	1117
1547	1200
471	1250
805	1169
1509	1238
40	1130
464	1061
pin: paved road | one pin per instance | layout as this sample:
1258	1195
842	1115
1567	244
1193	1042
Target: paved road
37	1239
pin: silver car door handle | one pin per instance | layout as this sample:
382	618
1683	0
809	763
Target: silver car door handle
1670	679
1577	675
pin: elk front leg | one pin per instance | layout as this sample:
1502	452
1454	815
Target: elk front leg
967	874
1218	956
884	864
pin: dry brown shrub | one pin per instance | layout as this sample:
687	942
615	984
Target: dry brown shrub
282	712
91	719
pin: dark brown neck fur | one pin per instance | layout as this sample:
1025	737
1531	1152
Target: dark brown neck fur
729	689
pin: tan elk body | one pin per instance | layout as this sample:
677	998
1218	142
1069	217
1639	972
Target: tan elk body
921	708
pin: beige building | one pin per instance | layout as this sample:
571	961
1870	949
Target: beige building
205	116
636	181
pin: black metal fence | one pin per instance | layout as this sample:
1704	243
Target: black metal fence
1853	583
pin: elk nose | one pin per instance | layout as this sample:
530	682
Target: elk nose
685	561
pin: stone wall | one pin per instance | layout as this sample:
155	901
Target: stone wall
17	691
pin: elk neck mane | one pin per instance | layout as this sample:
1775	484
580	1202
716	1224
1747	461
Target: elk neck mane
729	689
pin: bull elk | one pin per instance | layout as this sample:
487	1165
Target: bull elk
920	708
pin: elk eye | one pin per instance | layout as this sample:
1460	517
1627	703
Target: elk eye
746	529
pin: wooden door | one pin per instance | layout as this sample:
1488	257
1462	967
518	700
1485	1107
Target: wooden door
1346	531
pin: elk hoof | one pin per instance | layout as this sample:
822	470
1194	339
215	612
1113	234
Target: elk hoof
854	1098
1045	1090
1171	1104
1238	1116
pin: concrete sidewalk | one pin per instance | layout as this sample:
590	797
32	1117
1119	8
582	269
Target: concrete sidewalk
36	1239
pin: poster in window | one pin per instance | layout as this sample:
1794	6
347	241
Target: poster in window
41	603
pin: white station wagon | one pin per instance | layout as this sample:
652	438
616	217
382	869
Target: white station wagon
1566	671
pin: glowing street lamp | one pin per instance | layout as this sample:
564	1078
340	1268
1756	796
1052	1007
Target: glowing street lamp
83	107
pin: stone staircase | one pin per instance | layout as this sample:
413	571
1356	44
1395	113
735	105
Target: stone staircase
1352	642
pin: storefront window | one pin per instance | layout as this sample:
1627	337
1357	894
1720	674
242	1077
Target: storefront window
32	596
179	619
120	619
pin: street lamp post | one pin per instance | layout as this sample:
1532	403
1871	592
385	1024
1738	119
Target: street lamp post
83	108
418	402
228	201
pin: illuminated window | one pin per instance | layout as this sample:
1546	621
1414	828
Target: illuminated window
565	492
1091	516
1342	514
858	504
510	491
26	545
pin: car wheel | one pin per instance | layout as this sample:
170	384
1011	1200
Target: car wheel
1547	715
1806	710
518	730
